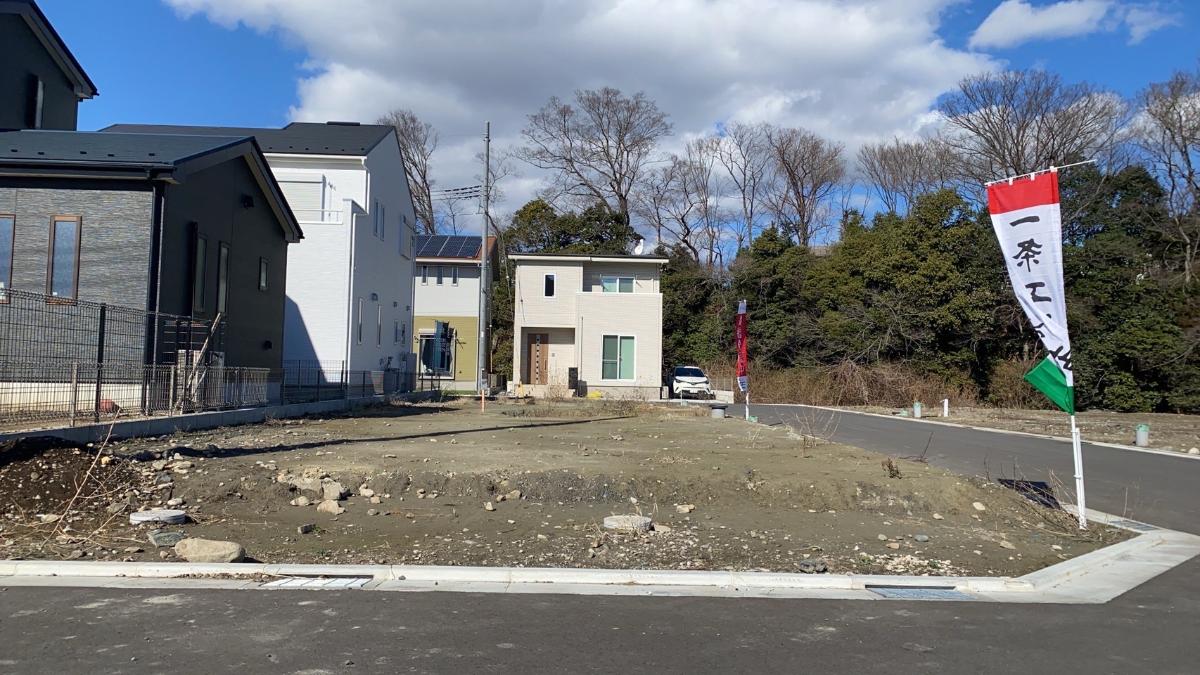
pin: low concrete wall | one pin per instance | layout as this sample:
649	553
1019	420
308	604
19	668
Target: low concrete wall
161	426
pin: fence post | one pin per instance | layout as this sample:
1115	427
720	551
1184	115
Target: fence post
74	389
100	359
171	393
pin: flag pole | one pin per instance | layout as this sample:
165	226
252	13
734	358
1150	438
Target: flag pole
1077	450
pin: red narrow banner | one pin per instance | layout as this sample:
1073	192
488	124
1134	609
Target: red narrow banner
741	337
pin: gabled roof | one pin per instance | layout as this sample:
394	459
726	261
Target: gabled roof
161	157
446	246
297	138
44	31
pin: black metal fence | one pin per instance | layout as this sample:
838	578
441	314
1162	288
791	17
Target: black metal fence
309	381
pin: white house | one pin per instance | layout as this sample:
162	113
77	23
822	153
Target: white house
446	293
600	314
349	282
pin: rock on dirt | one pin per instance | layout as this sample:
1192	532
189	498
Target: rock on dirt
364	491
162	539
306	528
921	538
198	550
333	490
978	506
685	508
628	523
330	506
488	506
301	501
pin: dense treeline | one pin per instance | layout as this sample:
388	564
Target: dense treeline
881	271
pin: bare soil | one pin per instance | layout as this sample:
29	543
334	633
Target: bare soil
763	497
1167	432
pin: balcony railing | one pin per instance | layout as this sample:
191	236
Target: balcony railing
318	216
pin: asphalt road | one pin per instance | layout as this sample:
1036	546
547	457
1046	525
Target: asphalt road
1152	629
1158	489
42	630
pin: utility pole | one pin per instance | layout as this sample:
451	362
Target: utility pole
483	265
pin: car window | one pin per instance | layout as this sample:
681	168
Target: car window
689	372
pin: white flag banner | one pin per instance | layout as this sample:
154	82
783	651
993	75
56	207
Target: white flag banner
1028	223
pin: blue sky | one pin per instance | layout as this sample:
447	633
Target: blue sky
855	71
190	70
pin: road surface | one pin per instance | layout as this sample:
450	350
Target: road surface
1159	489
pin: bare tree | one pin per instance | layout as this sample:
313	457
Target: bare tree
597	147
899	171
806	171
671	207
742	151
418	140
1003	124
1168	133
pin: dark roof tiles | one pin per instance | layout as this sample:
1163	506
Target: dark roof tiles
298	138
81	147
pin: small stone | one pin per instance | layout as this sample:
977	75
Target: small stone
921	538
376	500
812	566
372	512
330	506
542	537
161	539
75	555
1055	547
117	507
882	537
301	501
133	549
365	492
198	550
488	506
685	508
893	545
513	495
49	517
1194	451
1004	543
938	516
306	528
182	466
978	506
332	491
175	501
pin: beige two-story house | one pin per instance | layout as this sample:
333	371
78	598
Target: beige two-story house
597	315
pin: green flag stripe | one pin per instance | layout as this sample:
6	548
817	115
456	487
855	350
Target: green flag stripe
1049	379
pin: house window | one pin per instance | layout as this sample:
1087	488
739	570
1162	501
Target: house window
617	359
616	284
436	355
396	331
379	326
424	275
199	269
359	329
382	223
454	275
441	275
222	277
37	101
62	280
548	286
7	230
262	274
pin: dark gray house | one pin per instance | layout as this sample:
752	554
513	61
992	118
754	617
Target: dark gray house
186	225
41	83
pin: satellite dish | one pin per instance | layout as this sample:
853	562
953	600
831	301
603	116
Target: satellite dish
637	250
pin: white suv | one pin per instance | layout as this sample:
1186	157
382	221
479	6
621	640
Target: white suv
690	381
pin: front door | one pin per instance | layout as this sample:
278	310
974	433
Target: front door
538	357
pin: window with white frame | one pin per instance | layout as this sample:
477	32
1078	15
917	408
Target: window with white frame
424	275
454	275
359	329
616	284
441	275
617	357
548	286
379	326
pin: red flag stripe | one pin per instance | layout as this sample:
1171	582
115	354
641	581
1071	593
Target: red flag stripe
1040	190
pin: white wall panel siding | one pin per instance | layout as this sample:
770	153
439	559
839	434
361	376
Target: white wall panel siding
430	299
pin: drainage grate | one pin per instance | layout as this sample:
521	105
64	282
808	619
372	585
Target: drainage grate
919	593
333	583
1132	525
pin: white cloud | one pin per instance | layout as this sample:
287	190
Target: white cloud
853	70
1145	19
1015	22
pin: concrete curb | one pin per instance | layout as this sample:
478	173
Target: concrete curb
1061	439
1096	577
162	426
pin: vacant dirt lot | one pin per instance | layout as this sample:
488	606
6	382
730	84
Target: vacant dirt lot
1167	432
530	485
